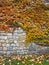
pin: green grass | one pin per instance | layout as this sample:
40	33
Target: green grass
9	61
17	62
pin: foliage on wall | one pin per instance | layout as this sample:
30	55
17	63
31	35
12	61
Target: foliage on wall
30	15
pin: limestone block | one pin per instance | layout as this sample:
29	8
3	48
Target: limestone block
15	41
14	48
1	48
0	44
13	44
2	41
8	34
9	48
3	44
7	45
4	49
3	37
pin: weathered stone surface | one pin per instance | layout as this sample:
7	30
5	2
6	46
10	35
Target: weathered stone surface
11	42
3	37
14	44
1	48
4	49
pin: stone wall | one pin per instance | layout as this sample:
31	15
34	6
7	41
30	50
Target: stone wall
13	43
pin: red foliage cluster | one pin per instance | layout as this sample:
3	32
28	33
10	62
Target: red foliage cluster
7	16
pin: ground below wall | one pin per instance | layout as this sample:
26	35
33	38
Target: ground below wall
14	44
